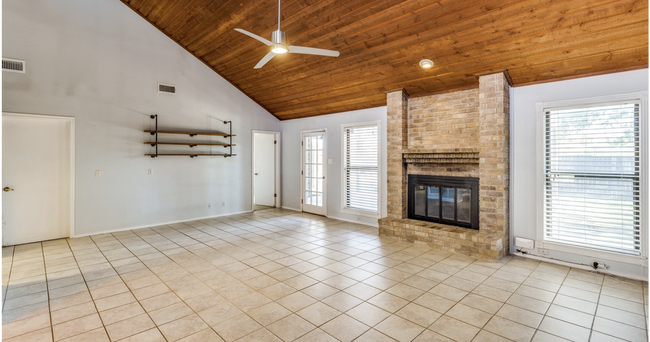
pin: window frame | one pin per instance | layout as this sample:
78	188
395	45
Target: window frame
542	107
345	210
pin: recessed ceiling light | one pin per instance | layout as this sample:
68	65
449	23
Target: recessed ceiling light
426	64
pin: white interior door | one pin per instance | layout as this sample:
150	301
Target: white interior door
264	169
313	173
36	177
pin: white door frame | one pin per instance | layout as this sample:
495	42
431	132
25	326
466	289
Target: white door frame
71	119
278	188
302	154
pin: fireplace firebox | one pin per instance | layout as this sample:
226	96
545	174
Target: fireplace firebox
447	200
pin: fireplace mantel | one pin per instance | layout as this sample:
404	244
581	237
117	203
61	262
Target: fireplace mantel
442	156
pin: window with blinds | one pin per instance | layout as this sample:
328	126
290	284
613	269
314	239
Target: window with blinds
592	177
361	167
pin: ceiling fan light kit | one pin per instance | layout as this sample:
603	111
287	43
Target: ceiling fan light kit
280	45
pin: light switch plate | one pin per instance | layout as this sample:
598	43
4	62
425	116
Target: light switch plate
98	173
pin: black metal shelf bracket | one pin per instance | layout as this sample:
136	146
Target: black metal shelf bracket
229	136
155	117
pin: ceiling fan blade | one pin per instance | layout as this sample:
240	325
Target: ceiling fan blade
252	35
265	60
313	51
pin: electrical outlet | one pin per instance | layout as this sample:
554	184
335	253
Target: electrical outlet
223	204
98	173
150	172
209	205
542	251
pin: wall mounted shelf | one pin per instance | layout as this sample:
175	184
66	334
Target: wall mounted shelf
190	144
185	144
191	155
191	134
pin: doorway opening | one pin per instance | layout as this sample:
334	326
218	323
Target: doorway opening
266	170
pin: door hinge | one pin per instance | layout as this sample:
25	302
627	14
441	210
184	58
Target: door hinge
302	143
275	142
302	173
301	202
275	195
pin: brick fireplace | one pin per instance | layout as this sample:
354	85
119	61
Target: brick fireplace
457	134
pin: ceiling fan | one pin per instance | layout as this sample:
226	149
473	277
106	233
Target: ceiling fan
280	45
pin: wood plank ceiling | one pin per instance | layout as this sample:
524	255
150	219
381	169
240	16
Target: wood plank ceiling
382	41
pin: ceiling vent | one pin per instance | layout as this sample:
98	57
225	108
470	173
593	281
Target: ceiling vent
166	88
13	65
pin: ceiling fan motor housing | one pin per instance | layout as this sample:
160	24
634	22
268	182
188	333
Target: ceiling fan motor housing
279	37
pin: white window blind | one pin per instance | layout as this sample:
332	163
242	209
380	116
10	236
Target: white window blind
360	167
592	176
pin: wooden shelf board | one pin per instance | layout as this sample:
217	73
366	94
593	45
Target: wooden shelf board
185	144
190	154
191	133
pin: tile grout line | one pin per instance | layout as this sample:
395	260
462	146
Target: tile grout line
89	293
11	267
551	304
593	321
47	290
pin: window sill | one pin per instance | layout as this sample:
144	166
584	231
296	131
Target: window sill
593	253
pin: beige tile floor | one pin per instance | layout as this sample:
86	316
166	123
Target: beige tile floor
279	275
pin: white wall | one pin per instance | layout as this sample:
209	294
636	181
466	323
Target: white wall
524	155
291	159
99	61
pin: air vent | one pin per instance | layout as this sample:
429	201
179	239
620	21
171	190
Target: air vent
166	88
13	65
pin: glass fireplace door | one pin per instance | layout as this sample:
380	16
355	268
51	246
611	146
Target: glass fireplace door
448	200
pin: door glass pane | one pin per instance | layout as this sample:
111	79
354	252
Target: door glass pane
308	158
320	142
319	160
320	171
308	184
320	185
433	196
463	207
314	171
319	199
448	203
307	197
420	200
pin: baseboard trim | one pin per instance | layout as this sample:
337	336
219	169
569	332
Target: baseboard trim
376	225
578	266
161	224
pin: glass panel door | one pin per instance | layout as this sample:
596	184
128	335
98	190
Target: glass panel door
313	172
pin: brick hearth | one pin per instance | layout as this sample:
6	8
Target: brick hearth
464	134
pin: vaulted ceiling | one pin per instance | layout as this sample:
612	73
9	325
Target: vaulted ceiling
382	41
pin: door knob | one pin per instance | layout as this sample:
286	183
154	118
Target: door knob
7	189
255	173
